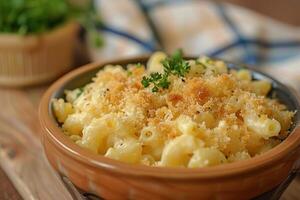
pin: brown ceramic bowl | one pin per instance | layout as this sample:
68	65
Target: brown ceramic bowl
112	179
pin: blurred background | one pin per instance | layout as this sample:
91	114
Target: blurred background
41	40
284	11
261	33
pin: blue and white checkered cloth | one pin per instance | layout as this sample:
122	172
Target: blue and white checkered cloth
133	27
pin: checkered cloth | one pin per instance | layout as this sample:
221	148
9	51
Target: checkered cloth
133	27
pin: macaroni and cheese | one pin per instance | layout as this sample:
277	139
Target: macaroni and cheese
202	116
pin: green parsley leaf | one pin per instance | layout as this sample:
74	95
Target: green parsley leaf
173	65
176	65
145	82
164	82
33	17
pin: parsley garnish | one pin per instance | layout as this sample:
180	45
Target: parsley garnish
176	65
173	65
158	80
32	17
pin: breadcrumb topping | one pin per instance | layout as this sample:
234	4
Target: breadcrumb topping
226	114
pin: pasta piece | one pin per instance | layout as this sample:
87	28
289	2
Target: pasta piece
152	142
132	111
221	132
61	109
196	68
212	67
178	152
147	160
75	123
95	134
263	126
284	117
113	69
261	87
204	157
253	142
220	67
129	151
75	138
72	95
241	155
154	62
207	118
244	75
186	125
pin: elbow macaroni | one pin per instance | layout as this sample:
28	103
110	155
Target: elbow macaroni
204	157
263	125
154	63
179	151
152	141
212	116
128	150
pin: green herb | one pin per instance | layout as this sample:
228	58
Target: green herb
38	16
176	65
173	65
158	80
32	16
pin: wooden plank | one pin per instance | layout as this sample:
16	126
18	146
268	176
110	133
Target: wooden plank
293	191
8	192
21	153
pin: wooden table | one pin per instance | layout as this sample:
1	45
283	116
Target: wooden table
21	153
7	189
24	103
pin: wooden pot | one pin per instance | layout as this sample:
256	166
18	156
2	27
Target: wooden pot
35	59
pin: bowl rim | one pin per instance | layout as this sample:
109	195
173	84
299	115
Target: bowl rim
52	131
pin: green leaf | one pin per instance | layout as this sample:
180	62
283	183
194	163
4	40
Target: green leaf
145	82
37	16
173	65
176	65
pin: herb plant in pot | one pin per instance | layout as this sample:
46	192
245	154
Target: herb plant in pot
37	39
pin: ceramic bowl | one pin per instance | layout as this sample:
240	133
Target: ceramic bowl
112	179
